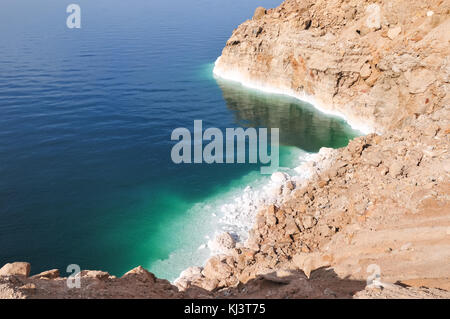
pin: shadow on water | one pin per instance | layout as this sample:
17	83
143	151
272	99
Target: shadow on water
300	124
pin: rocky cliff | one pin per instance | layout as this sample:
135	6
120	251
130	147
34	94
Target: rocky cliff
379	205
373	220
378	63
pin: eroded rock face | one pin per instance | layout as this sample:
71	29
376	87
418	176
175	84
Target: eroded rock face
380	64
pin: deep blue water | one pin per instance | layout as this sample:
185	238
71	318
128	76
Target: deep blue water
85	122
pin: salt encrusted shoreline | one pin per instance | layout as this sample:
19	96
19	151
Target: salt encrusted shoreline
242	211
332	62
240	215
246	207
236	76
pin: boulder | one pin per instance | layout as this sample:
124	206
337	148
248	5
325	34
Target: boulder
208	284
16	269
259	13
49	274
140	274
222	243
291	226
216	269
192	273
188	276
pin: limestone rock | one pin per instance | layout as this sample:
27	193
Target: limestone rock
101	275
396	169
419	80
222	243
309	262
16	269
215	268
291	226
49	274
187	277
394	32
259	13
366	71
29	287
209	284
308	221
140	274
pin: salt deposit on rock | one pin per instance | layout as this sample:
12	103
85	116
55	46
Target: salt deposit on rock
279	177
222	243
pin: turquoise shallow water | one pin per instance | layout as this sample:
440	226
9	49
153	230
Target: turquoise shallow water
85	123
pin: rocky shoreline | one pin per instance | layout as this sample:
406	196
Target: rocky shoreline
372	219
348	62
384	200
378	64
275	193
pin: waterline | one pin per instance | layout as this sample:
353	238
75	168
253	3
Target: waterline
236	76
231	209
